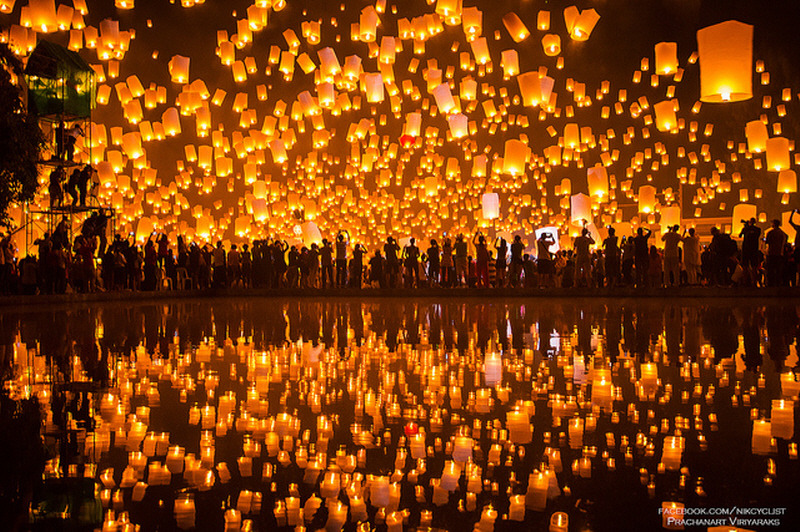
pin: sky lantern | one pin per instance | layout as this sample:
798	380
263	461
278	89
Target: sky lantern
516	28
551	43
597	177
534	89
43	15
179	69
757	135
742	211
374	87
444	98
458	125
665	115
787	181
666	58
472	21
778	157
368	24
480	49
647	199
580	208
509	60
670	216
490	203
515	157
583	25
726	62
571	135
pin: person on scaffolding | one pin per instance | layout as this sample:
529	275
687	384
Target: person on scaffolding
71	139
84	177
72	185
56	192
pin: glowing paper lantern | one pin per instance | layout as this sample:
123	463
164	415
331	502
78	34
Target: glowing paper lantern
778	157
179	69
516	28
670	216
43	15
666	58
572	137
726	62
444	98
534	89
666	119
597	177
490	203
374	87
584	25
647	199
580	208
551	43
757	135
515	157
311	234
742	211
458	124
787	181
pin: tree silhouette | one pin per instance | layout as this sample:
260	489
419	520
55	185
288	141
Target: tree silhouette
21	139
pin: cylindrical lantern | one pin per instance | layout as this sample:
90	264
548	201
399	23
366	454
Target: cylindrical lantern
647	198
516	28
670	216
665	116
580	208
179	69
534	89
666	58
787	181
742	211
374	87
597	177
778	157
491	205
551	43
584	25
515	157
757	135
726	62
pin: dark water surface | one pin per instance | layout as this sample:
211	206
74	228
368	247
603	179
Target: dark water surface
370	406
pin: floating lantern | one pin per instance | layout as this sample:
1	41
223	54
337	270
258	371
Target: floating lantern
179	69
787	181
516	28
597	177
515	157
757	135
647	199
583	25
778	157
665	116
551	43
580	208
535	89
490	203
726	62
666	58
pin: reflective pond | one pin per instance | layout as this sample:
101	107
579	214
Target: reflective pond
393	414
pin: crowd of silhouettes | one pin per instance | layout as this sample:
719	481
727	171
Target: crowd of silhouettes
87	262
